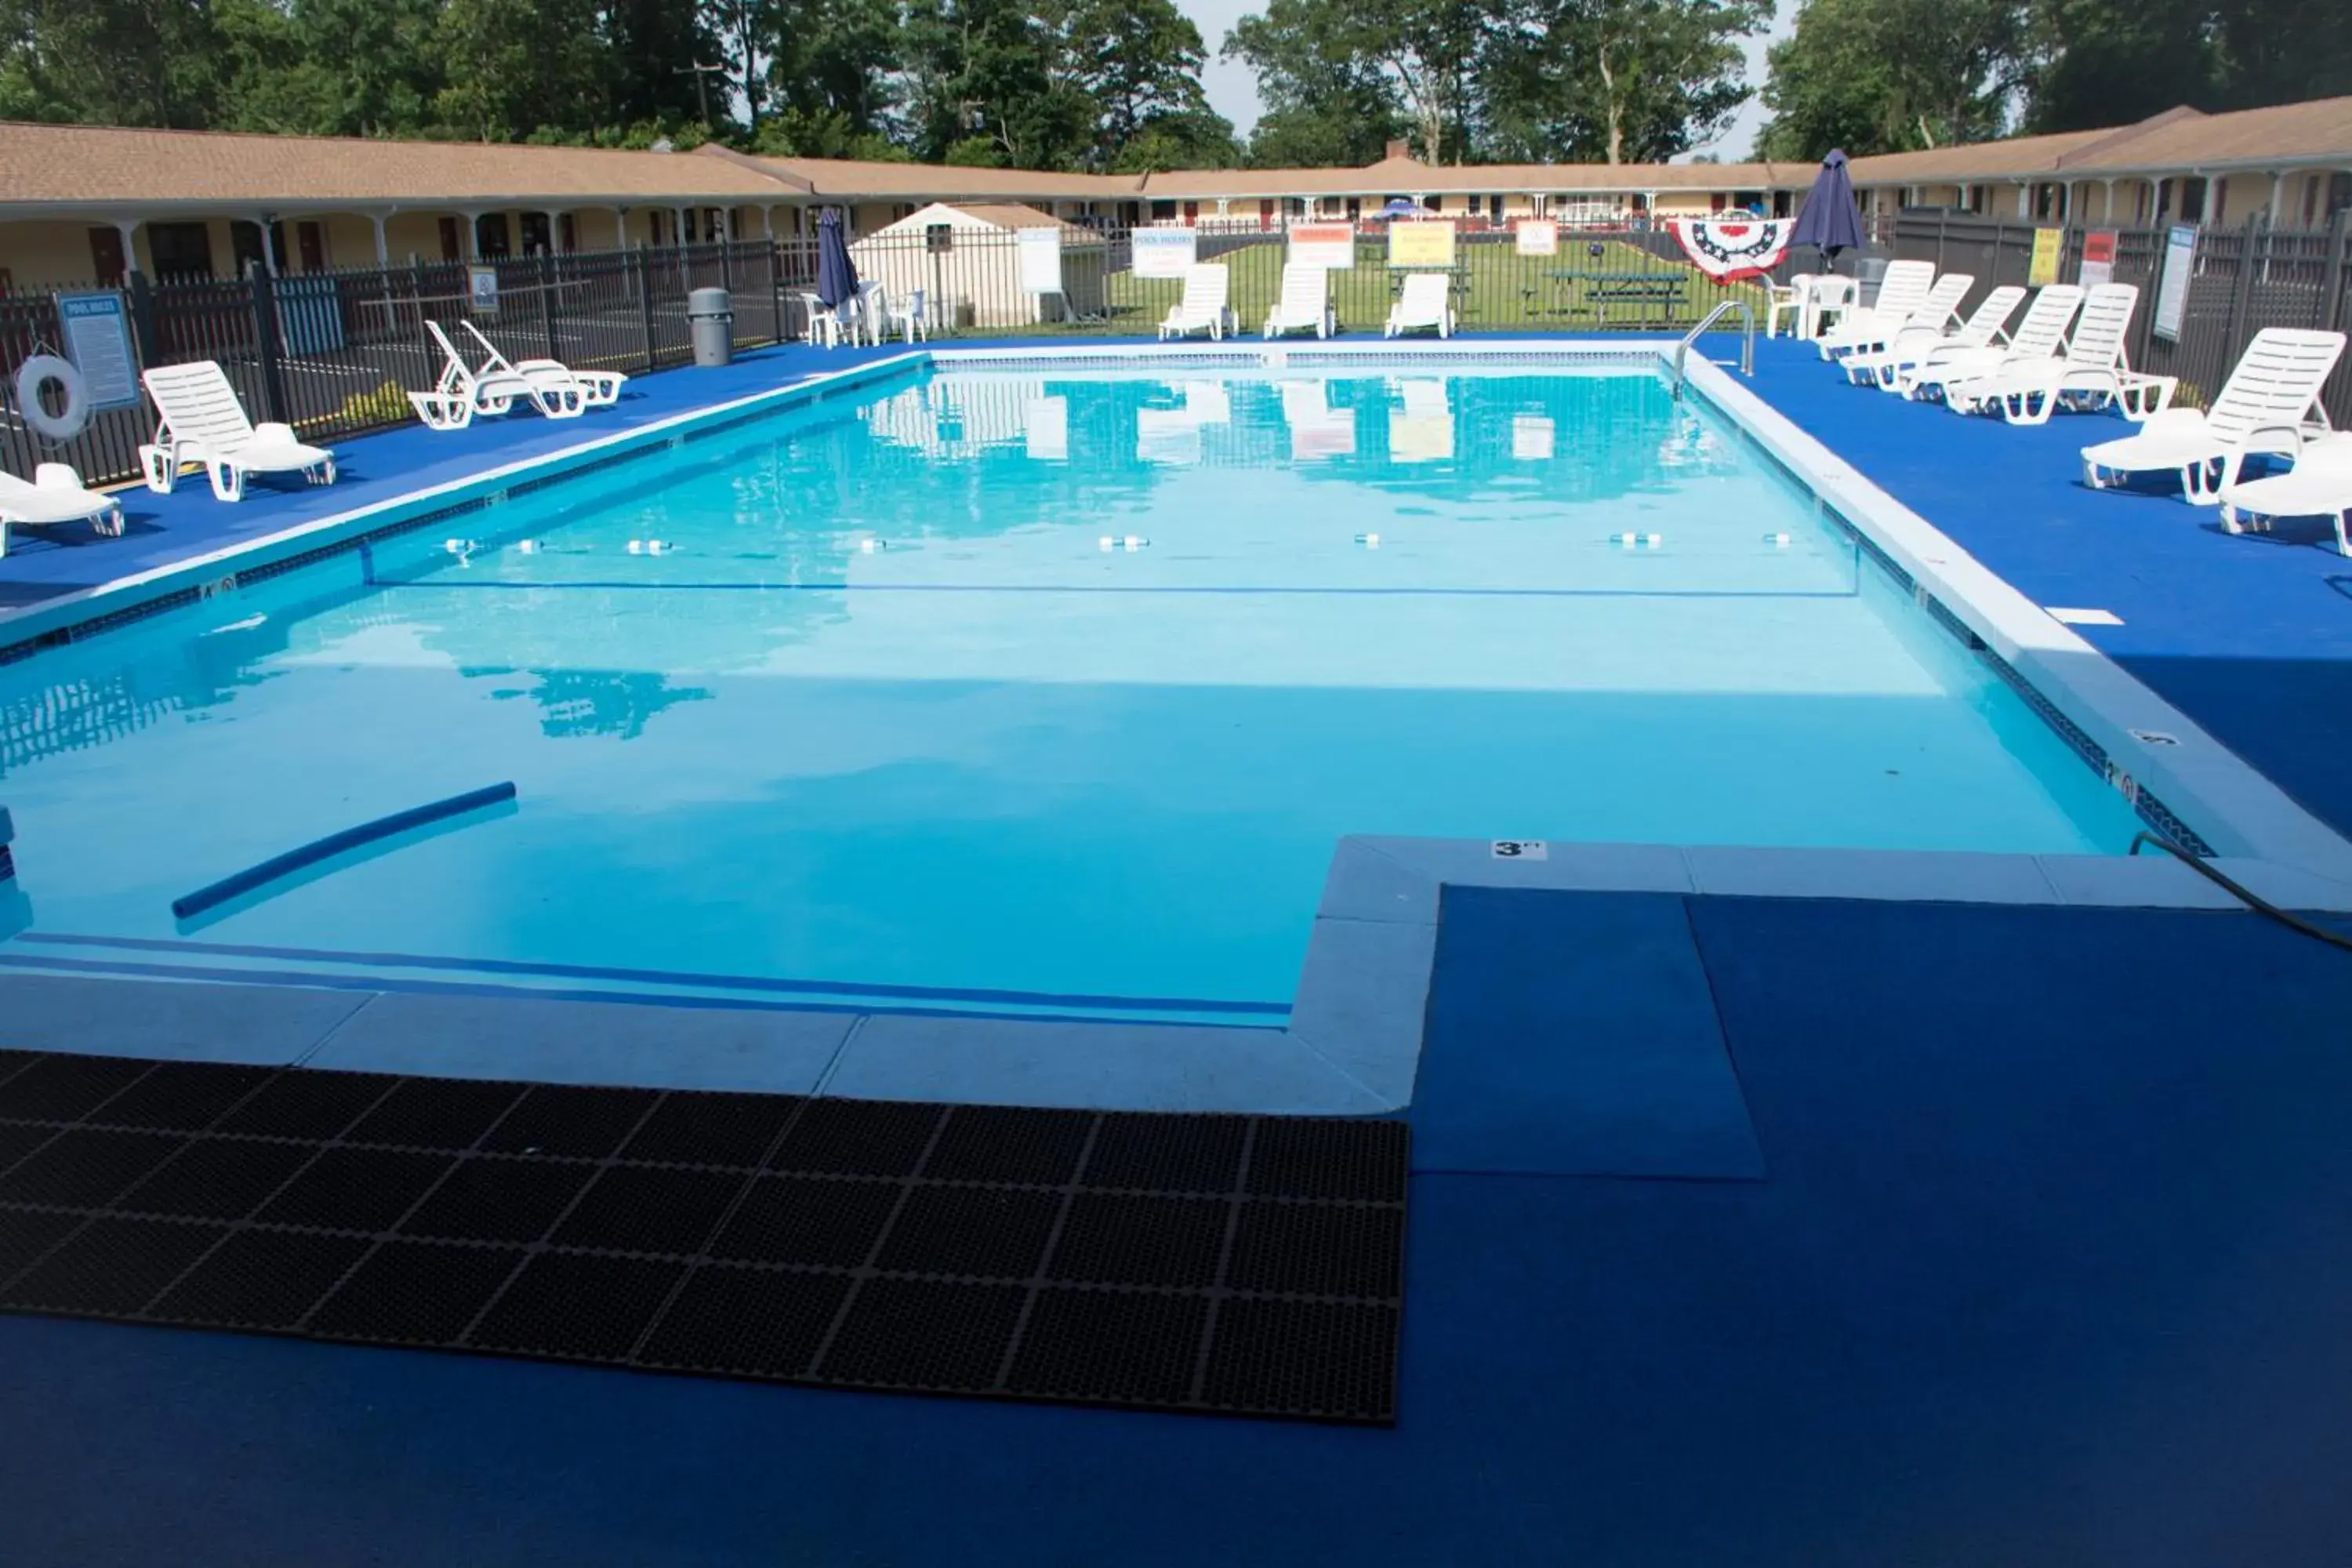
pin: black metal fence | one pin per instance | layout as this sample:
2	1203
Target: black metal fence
2242	280
333	354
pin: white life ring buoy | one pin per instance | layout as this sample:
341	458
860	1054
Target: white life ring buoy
33	377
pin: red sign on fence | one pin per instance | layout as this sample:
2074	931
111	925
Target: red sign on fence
2098	258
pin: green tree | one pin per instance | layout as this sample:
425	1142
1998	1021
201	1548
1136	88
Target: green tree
1890	76
1139	61
987	74
655	47
1199	139
1326	104
521	68
2112	62
109	62
1619	81
830	69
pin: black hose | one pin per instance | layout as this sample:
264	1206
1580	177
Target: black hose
2251	899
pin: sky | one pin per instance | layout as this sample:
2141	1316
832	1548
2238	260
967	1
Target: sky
1232	90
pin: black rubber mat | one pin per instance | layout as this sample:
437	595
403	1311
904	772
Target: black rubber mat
1221	1264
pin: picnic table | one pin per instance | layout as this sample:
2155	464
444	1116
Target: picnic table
1604	289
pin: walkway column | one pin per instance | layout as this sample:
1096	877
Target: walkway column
767	223
554	217
383	247
2278	197
677	218
128	228
2025	200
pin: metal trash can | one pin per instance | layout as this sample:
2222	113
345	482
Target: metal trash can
710	313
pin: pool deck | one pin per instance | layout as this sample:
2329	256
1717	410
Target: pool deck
1746	1230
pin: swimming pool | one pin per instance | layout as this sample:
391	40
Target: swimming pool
1035	689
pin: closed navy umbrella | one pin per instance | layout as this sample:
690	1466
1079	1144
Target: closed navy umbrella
836	274
1829	221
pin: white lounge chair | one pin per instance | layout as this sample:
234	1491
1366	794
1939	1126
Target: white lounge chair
1875	330
1426	303
1901	290
598	388
2319	484
461	391
1305	305
55	496
200	420
1201	308
2041	335
1987	325
2270	403
2091	374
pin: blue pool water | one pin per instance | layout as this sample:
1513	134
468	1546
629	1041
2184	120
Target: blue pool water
878	694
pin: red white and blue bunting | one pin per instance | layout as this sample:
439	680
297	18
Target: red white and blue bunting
1731	250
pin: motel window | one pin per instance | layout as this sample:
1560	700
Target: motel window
180	249
1192	212
1436	203
2192	199
571	233
450	250
2339	193
1355	208
491	236
1163	210
1494	207
1716	201
534	234
310	245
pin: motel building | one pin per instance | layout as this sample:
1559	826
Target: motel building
81	203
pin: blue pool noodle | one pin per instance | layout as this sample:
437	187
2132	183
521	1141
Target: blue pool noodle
311	854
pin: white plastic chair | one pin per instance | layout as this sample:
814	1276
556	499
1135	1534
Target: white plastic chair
2092	372
823	320
1424	303
1987	325
200	420
55	496
909	319
1202	308
2270	403
462	391
1901	292
1305	305
2319	484
598	388
1943	371
1786	299
1873	330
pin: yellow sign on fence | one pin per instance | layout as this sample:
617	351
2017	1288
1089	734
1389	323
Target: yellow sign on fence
1421	242
2049	246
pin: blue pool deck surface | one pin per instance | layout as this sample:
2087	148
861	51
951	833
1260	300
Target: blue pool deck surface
1744	1230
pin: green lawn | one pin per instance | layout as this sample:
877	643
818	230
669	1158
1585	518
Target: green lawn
1494	288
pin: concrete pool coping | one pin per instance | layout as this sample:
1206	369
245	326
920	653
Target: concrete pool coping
1356	1024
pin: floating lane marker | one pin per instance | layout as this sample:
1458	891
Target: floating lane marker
334	844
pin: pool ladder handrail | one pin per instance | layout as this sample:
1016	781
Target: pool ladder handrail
1747	345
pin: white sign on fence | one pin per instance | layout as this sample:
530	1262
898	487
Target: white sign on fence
1041	260
1164	252
98	341
484	284
2172	284
1537	237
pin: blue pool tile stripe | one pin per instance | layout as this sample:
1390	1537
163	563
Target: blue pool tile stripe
459	988
716	981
